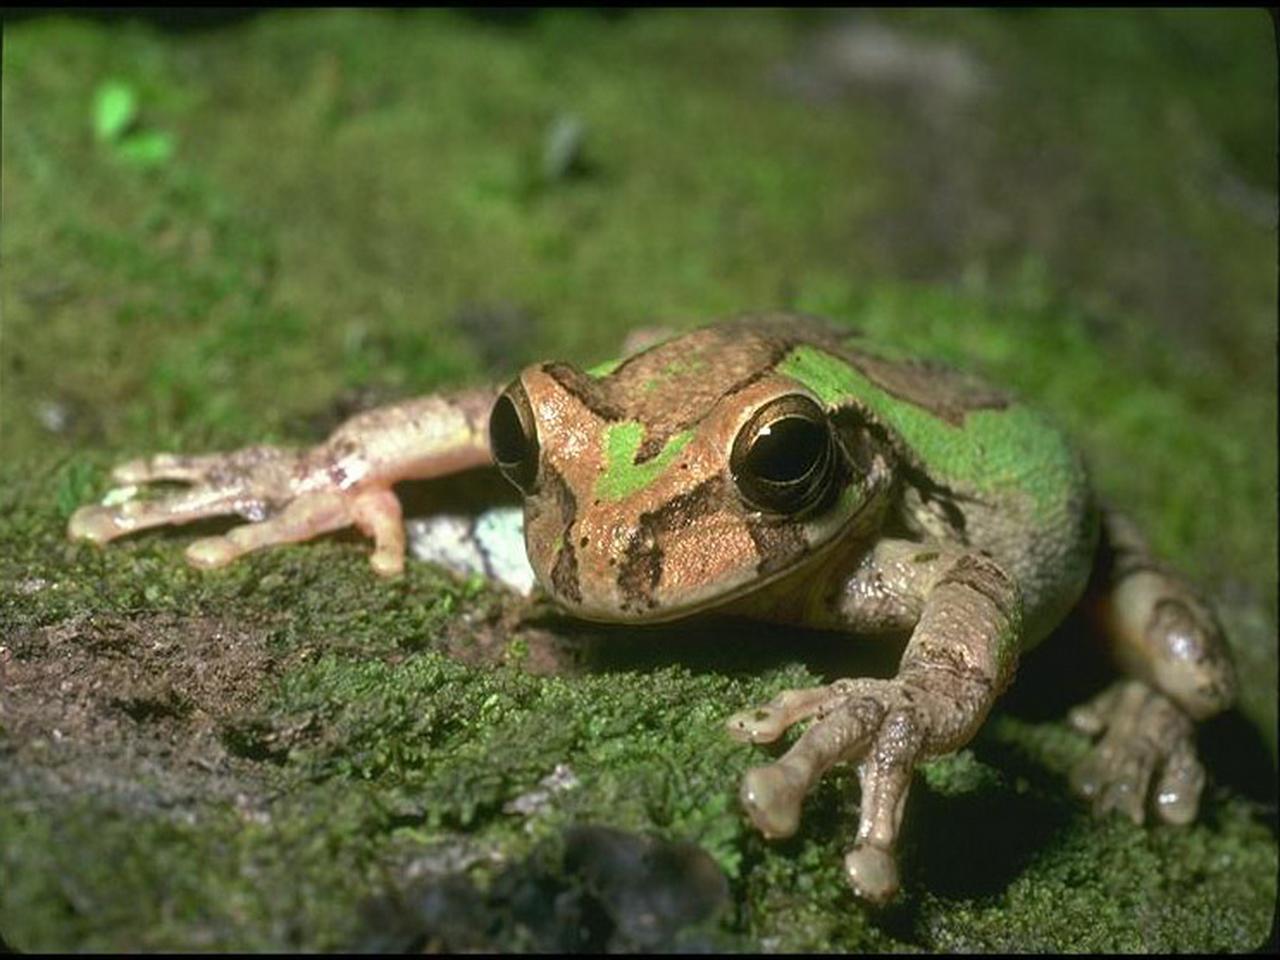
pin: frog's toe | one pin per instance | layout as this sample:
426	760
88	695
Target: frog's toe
162	466
1127	786
872	872
1145	733
772	796
757	725
1088	776
1091	717
94	523
301	519
209	553
1177	798
767	723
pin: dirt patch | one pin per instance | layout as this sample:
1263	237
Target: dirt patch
522	633
136	709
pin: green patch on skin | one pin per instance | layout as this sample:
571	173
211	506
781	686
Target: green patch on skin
673	370
995	452
1009	644
601	370
684	368
623	476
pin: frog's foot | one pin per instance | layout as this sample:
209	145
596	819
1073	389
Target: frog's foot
245	482
1145	738
882	724
282	492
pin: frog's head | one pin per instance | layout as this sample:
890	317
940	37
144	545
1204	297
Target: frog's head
687	475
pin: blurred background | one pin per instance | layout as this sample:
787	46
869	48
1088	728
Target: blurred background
222	228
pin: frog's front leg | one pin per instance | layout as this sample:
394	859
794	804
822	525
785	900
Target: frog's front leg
964	614
293	495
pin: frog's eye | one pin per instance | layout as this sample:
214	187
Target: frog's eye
513	439
783	460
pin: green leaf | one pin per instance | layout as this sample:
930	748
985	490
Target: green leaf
147	149
114	107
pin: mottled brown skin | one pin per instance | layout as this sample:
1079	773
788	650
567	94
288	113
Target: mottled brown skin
639	507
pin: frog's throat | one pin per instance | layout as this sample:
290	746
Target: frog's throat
832	544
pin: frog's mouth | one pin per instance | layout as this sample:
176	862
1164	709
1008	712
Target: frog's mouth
659	608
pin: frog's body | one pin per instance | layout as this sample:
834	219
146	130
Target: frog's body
977	468
775	468
962	463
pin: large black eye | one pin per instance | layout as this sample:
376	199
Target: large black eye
784	458
513	440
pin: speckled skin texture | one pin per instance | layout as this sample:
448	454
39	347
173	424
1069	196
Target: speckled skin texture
771	467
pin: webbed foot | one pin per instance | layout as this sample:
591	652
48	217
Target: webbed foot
1145	759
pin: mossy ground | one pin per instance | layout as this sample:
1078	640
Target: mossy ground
363	204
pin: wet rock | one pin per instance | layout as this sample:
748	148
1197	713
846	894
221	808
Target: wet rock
605	891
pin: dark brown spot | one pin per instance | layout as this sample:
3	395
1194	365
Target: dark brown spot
864	438
944	657
641	569
944	392
983	576
564	574
779	541
585	390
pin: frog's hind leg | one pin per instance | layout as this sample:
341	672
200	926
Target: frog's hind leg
1162	633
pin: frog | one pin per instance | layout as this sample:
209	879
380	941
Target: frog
779	467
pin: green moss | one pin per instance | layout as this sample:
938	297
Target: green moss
351	196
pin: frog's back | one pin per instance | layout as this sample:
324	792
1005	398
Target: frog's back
978	466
